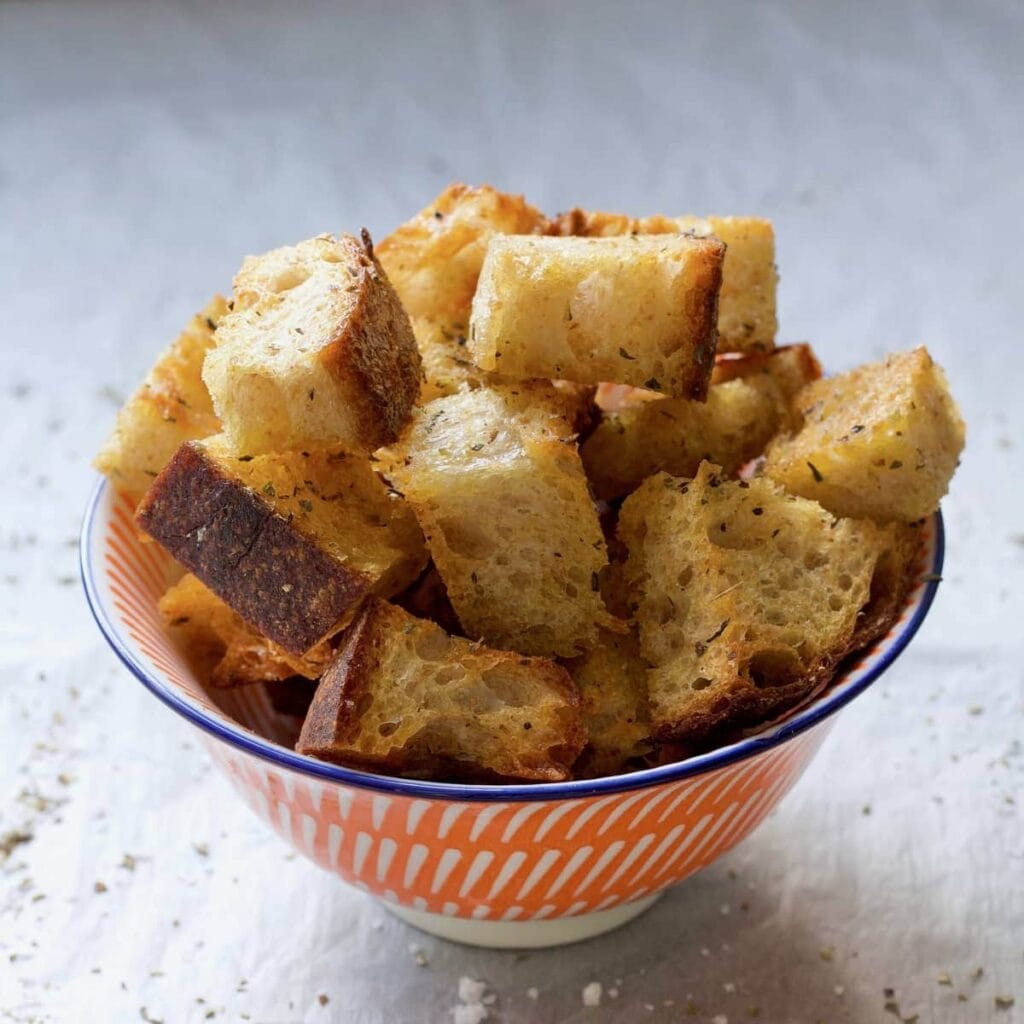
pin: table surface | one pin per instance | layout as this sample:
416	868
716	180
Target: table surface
145	148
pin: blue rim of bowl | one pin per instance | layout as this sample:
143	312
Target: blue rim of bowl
239	737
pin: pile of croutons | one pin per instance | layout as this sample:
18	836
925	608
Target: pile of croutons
530	498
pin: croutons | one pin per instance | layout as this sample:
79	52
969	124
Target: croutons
405	697
319	352
881	441
172	406
746	303
612	683
223	649
292	542
498	488
747	597
636	310
741	415
434	259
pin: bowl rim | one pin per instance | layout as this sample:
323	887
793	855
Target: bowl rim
249	743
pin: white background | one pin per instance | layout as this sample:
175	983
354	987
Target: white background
144	149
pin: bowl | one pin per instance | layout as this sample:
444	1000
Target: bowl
491	865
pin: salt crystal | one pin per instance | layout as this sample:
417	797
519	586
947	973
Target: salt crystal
532	993
592	994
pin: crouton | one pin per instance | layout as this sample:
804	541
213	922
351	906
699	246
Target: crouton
222	648
746	303
447	366
498	488
636	310
319	352
405	697
612	683
172	406
292	542
741	415
880	442
747	597
434	259
447	369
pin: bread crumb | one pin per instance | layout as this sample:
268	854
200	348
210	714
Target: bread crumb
475	1000
471	990
532	993
592	994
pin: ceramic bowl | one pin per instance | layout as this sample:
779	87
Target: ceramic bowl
508	866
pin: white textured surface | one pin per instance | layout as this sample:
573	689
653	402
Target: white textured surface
143	149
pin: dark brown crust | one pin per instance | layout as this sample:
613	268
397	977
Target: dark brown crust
280	581
332	718
703	323
375	351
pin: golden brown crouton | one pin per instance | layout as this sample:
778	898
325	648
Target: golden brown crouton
222	648
172	406
636	310
612	682
881	441
498	488
320	352
747	597
434	259
741	415
405	697
292	542
746	303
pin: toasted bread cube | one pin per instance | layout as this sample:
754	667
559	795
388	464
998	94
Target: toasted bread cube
403	696
746	303
291	542
223	649
447	366
171	406
881	441
319	352
747	597
434	260
612	683
636	310
498	488
741	415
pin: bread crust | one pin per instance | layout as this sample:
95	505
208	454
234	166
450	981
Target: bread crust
277	579
385	375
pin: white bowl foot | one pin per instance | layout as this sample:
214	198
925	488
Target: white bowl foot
522	934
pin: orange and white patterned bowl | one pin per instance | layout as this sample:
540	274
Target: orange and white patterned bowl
515	865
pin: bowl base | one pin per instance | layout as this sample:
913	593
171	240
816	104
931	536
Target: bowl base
523	934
